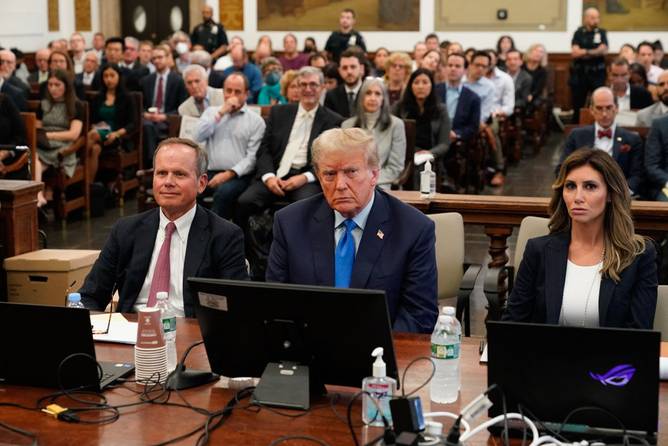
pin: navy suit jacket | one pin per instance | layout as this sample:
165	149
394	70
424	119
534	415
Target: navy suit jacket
656	156
16	95
175	93
466	121
215	250
401	261
539	287
630	160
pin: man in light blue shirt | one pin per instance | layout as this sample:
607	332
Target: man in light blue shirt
475	80
232	134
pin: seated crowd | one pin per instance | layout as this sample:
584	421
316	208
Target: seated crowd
257	114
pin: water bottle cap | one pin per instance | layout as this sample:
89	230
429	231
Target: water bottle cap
444	319
74	297
161	295
450	311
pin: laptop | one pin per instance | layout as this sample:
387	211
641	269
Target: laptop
36	339
553	370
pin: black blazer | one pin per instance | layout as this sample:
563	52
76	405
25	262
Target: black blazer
175	92
16	95
640	97
125	112
539	287
656	156
277	133
133	77
216	79
466	121
215	249
627	150
337	101
440	128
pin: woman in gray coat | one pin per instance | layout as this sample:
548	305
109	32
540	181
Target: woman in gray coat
373	114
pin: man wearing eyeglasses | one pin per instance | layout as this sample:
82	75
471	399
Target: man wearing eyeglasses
356	236
624	146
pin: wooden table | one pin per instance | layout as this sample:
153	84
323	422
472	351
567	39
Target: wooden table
150	424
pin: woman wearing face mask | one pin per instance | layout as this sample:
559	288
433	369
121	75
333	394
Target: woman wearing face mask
270	93
592	270
180	41
61	116
373	114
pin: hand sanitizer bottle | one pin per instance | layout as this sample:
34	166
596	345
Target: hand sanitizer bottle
382	389
427	181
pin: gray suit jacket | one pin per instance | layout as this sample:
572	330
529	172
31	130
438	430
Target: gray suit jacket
391	144
522	88
648	114
188	107
656	156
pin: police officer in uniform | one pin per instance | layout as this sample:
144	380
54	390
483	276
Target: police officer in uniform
588	49
209	34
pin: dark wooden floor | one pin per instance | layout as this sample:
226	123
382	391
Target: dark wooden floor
531	177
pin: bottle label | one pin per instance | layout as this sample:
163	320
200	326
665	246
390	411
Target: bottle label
448	351
169	324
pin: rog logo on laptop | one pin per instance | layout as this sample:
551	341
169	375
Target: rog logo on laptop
618	376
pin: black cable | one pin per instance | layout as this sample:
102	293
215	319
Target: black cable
349	413
543	427
592	409
298	437
403	375
20	431
223	414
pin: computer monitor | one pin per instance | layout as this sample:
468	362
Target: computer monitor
297	337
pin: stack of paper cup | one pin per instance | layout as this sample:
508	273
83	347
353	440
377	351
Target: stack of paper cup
150	350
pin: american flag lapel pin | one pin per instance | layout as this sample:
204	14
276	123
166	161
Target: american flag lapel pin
380	234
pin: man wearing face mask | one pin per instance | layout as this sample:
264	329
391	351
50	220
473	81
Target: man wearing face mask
209	34
270	93
181	44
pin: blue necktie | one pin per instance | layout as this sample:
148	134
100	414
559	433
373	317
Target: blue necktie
344	256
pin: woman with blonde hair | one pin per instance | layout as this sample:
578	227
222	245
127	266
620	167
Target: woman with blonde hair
535	61
592	270
290	86
397	71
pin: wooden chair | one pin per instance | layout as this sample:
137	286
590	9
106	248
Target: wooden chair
124	163
405	180
586	117
145	200
510	132
174	122
29	157
62	185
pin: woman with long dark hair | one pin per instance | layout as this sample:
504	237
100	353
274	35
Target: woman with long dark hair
419	102
373	114
61	116
592	269
112	114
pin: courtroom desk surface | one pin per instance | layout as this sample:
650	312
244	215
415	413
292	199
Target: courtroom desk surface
150	424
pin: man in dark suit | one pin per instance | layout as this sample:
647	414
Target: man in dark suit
159	249
629	97
521	79
624	146
343	98
355	236
14	94
163	92
656	159
283	168
462	103
42	62
114	53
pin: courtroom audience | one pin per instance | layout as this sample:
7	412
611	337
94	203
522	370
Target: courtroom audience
656	159
638	75
263	49
431	60
343	99
628	52
60	118
90	66
112	115
332	76
592	270
270	93
373	114
78	51
419	51
503	45
290	89
345	37
292	59
535	61
645	116
42	62
645	58
521	79
240	64
379	61
310	46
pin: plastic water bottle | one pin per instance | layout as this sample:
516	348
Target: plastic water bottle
427	181
74	301
445	350
168	327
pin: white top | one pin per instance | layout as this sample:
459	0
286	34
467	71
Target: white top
653	74
177	259
624	102
579	306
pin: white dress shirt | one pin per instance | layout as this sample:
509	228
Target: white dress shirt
296	150
88	78
604	144
624	102
504	92
177	258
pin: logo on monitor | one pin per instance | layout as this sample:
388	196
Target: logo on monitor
618	376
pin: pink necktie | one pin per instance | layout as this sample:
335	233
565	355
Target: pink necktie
160	281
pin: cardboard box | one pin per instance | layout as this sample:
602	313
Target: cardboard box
47	275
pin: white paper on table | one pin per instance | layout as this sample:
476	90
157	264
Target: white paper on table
663	368
121	330
483	355
626	118
421	158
